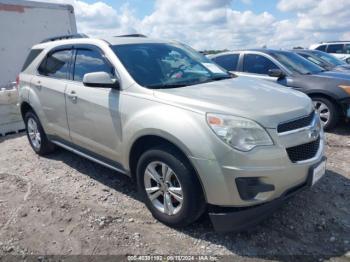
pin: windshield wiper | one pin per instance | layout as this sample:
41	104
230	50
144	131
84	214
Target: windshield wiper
163	86
217	78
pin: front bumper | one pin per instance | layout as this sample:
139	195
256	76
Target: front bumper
345	105
271	166
238	219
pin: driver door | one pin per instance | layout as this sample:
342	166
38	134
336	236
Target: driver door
258	66
93	112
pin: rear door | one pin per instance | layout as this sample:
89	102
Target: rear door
93	112
228	61
49	86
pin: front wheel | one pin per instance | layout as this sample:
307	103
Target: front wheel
169	187
327	110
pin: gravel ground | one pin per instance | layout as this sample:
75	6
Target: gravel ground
65	205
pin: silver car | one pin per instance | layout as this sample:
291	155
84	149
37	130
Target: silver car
194	138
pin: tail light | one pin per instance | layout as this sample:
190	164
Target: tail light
17	82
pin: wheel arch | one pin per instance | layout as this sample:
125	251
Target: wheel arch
328	96
145	142
26	107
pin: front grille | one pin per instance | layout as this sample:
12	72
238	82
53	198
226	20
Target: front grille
295	124
303	152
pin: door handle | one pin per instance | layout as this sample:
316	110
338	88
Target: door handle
73	96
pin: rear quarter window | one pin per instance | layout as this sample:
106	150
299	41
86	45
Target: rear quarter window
322	48
30	58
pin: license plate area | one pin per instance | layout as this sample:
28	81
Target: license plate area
318	172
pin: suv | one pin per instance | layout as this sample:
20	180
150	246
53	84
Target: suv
330	91
193	138
340	49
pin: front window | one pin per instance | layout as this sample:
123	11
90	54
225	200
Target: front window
347	49
257	64
335	48
157	65
296	63
89	61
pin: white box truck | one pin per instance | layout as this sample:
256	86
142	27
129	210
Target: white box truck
23	24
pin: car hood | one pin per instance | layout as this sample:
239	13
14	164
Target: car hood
344	67
267	103
337	75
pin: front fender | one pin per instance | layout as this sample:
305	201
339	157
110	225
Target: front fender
185	129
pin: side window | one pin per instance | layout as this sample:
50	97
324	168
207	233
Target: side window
229	62
322	48
336	48
30	58
56	64
89	61
347	49
257	64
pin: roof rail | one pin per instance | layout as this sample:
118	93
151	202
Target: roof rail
131	35
323	42
62	37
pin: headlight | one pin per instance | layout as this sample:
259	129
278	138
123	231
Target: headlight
345	88
241	133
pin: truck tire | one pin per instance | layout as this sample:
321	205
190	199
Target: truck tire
36	135
169	187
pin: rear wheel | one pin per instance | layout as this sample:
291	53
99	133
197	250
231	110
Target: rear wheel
36	135
327	110
169	187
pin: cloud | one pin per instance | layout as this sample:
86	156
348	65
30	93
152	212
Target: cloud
289	5
214	24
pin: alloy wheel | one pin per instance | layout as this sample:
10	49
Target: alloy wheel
323	111
33	133
163	188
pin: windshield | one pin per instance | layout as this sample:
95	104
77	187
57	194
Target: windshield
329	58
296	63
316	60
157	65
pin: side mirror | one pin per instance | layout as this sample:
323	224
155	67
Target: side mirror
100	79
276	73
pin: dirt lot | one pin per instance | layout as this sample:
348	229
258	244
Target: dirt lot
65	205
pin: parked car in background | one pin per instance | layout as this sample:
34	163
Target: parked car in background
324	60
194	138
340	49
330	91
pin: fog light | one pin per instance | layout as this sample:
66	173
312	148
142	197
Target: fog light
249	187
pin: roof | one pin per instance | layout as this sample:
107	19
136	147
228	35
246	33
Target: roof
261	50
114	40
335	42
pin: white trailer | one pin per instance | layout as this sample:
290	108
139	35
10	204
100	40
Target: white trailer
23	24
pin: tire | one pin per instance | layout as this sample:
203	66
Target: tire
322	105
35	132
181	176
